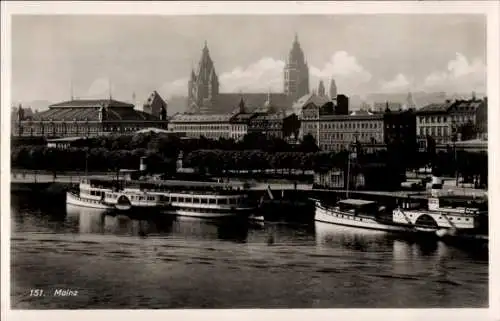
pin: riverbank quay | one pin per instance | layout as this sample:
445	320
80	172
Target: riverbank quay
39	181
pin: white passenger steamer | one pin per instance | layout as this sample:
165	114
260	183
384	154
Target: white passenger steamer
446	220
357	213
197	199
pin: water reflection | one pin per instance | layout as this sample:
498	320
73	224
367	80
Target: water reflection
349	237
91	221
268	265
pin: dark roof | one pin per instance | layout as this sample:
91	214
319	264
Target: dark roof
434	108
375	116
276	116
154	96
92	103
464	106
242	117
228	102
200	118
92	114
311	98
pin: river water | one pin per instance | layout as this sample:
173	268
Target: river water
117	262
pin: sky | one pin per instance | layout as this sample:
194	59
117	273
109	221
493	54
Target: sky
53	56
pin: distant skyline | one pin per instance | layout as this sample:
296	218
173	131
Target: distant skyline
139	54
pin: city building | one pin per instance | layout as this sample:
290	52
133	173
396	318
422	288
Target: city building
443	121
372	176
91	117
213	126
382	106
204	96
240	121
277	125
269	119
154	104
335	132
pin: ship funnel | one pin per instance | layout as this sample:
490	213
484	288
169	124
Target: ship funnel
142	166
436	185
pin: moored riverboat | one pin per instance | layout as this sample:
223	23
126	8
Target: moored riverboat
196	199
357	213
445	215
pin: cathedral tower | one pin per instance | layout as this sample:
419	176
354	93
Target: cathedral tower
203	87
296	72
321	89
333	89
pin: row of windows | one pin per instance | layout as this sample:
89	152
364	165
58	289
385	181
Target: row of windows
340	125
200	127
351	136
71	129
196	200
443	119
434	131
91	192
440	218
239	128
333	147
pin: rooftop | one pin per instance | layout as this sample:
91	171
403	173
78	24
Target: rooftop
356	202
92	114
311	98
209	118
91	103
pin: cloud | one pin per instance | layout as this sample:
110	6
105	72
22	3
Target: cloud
177	87
350	76
267	74
459	77
342	64
98	89
399	83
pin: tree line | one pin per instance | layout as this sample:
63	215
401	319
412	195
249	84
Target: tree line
254	153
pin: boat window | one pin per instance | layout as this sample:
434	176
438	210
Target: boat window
181	199
211	201
222	201
204	201
451	218
458	219
173	199
466	219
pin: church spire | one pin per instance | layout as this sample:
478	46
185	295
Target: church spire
296	72
333	89
321	88
242	104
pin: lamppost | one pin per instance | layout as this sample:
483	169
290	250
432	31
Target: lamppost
86	162
352	153
454	139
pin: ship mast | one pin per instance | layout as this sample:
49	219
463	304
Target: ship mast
348	168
